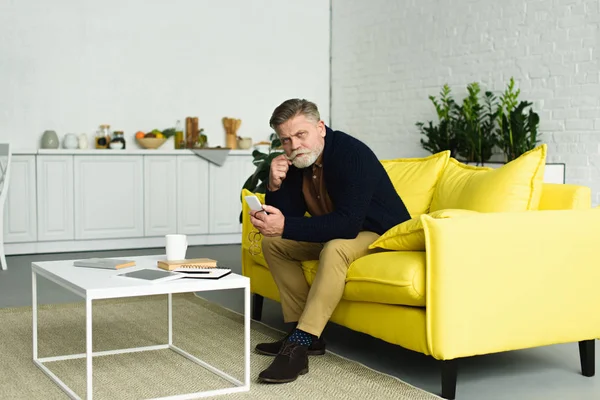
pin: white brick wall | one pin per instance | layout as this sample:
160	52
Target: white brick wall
388	56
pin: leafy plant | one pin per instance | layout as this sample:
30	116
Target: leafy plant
167	133
441	137
257	182
475	129
518	130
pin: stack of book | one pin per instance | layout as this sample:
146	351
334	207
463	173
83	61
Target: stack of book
204	268
104	263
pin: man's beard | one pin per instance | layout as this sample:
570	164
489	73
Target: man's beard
305	158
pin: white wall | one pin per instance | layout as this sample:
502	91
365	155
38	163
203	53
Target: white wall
71	65
388	56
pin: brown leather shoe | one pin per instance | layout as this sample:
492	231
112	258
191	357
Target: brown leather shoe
291	362
317	347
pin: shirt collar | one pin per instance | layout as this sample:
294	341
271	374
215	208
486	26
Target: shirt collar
319	161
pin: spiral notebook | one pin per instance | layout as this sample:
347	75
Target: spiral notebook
194	264
207	273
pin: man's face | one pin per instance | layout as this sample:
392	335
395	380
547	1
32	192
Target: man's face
302	140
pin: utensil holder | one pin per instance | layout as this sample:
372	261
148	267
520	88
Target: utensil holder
231	141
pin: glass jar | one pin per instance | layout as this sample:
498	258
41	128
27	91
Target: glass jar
118	140
103	137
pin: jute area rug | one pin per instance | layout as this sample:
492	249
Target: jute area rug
206	330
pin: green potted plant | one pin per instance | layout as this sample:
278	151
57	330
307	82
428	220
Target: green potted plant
474	126
517	128
441	137
471	130
257	182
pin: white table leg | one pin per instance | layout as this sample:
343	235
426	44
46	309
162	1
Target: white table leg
247	337
170	317
88	346
35	311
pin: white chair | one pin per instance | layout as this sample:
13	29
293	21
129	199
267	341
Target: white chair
5	157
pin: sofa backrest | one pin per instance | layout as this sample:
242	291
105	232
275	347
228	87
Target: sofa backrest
440	182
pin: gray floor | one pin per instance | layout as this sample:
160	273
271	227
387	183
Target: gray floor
551	372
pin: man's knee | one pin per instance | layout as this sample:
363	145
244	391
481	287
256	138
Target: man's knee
347	250
269	243
338	248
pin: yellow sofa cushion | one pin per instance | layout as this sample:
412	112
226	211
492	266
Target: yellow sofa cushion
409	235
415	178
391	277
516	186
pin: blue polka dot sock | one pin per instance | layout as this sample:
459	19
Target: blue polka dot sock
301	337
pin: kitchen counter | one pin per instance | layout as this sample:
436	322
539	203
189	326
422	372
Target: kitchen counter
63	200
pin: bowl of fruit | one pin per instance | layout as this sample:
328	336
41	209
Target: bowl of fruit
150	140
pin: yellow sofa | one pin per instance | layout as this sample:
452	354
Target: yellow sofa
470	274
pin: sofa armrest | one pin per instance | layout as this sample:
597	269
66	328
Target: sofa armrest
247	227
507	281
565	197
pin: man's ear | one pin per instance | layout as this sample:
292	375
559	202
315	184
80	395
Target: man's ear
321	128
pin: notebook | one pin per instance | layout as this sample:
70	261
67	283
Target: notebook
208	273
104	263
187	265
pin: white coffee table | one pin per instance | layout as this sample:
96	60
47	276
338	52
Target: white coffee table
95	284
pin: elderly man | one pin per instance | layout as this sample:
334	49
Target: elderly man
340	182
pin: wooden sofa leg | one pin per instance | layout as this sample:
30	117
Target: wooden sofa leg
257	305
449	373
586	354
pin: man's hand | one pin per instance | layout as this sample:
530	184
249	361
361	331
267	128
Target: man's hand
269	225
278	172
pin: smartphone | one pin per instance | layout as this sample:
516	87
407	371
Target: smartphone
253	203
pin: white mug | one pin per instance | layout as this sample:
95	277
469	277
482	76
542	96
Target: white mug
176	247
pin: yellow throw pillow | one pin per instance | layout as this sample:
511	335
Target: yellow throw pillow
516	186
415	178
409	235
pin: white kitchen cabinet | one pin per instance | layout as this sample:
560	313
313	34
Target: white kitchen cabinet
55	198
63	200
109	196
20	209
225	188
192	195
160	195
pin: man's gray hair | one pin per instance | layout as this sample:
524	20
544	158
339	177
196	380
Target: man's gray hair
291	108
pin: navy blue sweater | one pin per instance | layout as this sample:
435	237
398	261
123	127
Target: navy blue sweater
360	189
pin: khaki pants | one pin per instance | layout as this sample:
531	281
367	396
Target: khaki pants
312	306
